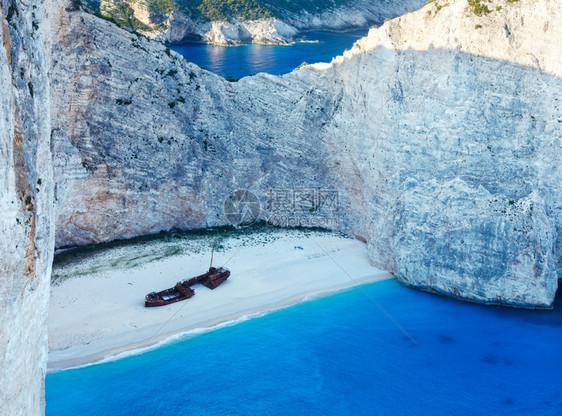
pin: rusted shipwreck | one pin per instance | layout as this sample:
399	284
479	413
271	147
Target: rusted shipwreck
182	290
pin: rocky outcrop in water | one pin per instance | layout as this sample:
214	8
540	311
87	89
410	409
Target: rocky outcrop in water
26	204
281	24
288	27
439	132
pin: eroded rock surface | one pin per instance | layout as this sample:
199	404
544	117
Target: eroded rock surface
26	204
440	131
440	134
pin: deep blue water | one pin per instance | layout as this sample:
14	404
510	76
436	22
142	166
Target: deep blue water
339	355
244	60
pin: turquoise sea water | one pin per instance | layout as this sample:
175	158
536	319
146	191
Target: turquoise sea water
244	60
339	355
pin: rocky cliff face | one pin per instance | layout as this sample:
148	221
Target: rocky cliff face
152	142
344	15
280	24
26	196
291	23
440	132
367	124
460	168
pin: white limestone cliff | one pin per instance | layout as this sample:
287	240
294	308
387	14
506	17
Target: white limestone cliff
440	131
26	204
460	170
265	31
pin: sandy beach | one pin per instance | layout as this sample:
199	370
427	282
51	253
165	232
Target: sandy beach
98	312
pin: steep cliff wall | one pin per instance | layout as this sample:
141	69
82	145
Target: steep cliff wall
440	132
450	163
26	196
460	168
146	141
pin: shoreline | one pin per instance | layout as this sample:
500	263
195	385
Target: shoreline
124	351
286	42
88	326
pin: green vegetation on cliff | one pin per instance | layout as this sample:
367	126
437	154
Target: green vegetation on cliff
121	11
298	6
189	7
253	9
480	7
123	15
160	6
223	10
228	9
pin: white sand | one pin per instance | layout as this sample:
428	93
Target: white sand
101	314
